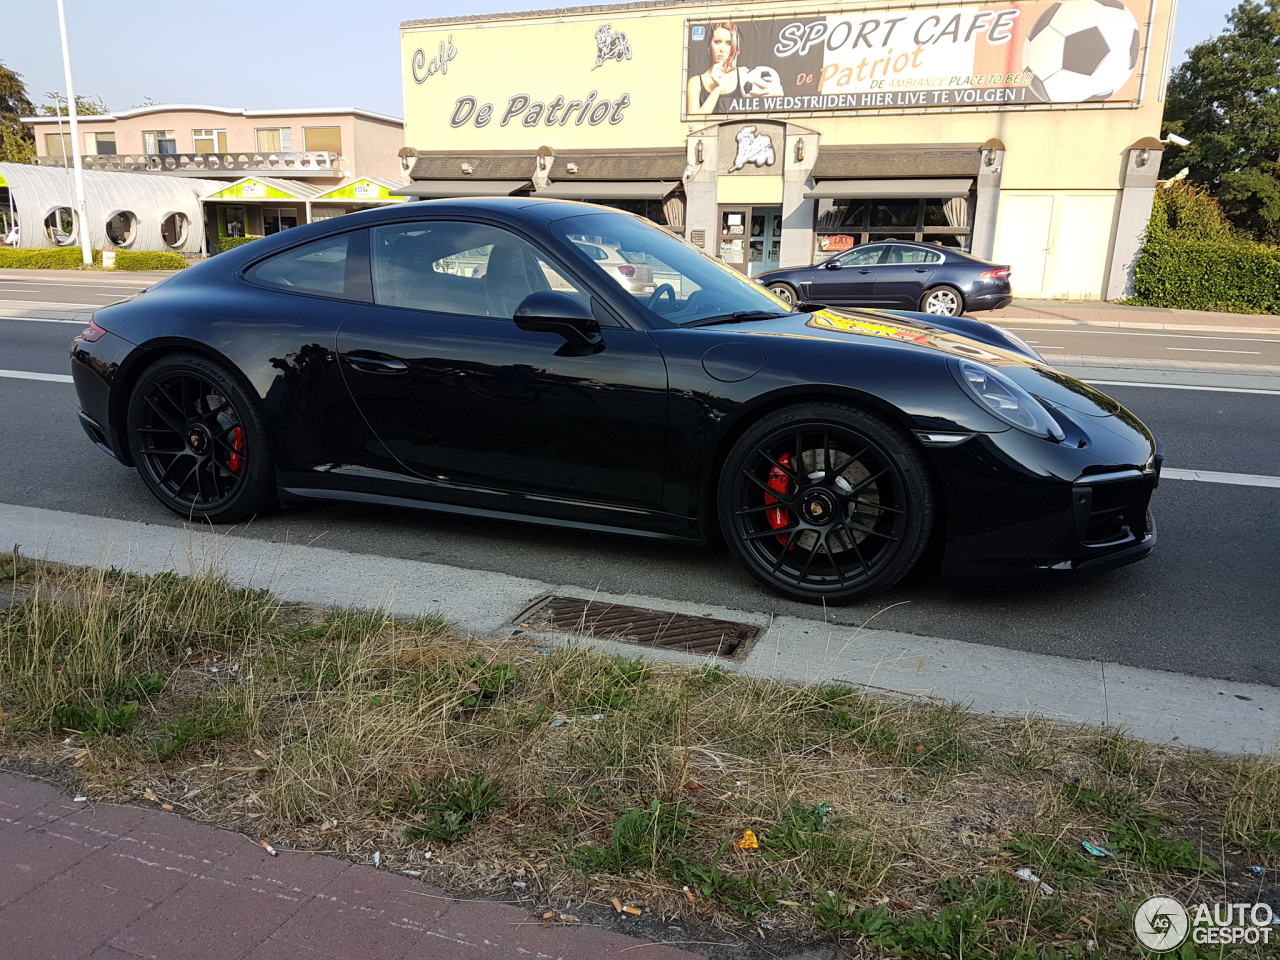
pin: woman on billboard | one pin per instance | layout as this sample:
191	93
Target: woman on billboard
724	76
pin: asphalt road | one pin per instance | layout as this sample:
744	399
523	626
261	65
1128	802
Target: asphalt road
1207	602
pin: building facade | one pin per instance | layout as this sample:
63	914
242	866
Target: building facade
266	170
773	134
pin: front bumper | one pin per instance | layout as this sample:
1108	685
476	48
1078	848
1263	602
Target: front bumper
1018	507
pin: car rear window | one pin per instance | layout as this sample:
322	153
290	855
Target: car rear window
331	267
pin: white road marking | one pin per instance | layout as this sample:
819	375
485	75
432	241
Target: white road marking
1127	333
1213	476
1183	386
1253	353
79	323
28	375
55	304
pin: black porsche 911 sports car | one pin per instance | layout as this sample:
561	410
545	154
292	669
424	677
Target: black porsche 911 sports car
900	275
477	357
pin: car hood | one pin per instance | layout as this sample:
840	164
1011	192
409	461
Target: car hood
967	339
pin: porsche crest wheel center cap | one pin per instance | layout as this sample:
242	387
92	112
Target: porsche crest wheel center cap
818	506
198	438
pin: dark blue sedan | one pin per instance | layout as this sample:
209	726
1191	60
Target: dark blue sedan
897	273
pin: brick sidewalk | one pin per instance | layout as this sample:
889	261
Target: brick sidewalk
119	883
1101	313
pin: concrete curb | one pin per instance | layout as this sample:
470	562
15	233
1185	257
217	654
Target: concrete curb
1152	704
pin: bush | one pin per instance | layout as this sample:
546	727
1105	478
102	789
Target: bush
230	243
149	260
1190	259
53	258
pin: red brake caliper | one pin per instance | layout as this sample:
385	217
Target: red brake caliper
237	444
778	517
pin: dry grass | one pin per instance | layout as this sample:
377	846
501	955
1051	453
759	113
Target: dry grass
894	824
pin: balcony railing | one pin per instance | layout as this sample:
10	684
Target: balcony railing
308	163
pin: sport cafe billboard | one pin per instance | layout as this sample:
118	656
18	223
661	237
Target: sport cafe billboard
992	56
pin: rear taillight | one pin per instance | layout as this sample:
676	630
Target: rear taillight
92	332
1000	274
627	270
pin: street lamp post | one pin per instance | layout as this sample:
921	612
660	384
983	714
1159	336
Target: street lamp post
86	248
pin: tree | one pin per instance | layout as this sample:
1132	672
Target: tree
17	142
85	106
1225	99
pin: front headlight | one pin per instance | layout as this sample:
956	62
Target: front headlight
1008	401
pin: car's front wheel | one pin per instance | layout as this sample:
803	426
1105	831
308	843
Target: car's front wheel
826	502
943	301
199	442
784	292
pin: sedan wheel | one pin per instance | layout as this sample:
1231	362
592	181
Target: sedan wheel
943	301
199	442
826	502
783	292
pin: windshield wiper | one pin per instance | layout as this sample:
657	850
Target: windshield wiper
739	317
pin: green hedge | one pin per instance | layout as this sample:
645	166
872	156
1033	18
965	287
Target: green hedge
1230	276
1190	259
69	258
150	260
53	258
230	243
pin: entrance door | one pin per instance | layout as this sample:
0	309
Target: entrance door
765	245
1023	241
462	397
735	223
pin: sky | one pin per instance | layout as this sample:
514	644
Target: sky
265	54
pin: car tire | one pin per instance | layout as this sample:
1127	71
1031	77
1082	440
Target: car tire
942	301
784	291
199	441
851	521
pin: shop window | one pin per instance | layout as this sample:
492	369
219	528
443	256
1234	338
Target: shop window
159	142
209	141
841	224
475	270
57	145
330	267
275	219
326	139
60	226
122	228
173	229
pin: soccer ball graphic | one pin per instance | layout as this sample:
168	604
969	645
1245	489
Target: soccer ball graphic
1081	50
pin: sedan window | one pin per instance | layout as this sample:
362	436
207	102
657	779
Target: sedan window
450	266
332	267
862	256
913	255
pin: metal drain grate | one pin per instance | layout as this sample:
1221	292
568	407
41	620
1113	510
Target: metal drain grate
648	628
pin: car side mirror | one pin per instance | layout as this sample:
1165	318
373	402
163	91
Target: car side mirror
550	311
833	264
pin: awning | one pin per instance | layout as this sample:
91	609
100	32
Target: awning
461	188
887	189
607	190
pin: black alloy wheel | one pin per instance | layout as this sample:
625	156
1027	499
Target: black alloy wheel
199	442
826	502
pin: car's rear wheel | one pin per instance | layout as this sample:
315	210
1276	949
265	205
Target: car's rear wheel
784	292
199	442
826	502
943	301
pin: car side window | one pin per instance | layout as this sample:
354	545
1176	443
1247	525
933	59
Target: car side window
862	256
913	255
452	266
331	267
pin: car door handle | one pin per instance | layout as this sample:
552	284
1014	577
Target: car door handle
864	271
921	270
370	364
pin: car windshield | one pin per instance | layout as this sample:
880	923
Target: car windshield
687	286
